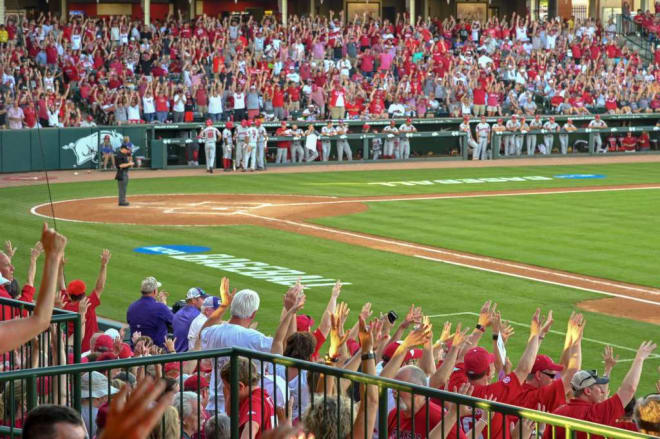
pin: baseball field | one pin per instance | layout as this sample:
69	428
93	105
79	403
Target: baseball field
560	237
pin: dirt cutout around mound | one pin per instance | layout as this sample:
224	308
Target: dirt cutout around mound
290	212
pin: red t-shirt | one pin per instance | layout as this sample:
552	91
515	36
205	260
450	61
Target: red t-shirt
405	430
479	96
51	54
278	98
250	410
320	339
91	324
629	143
7	312
161	103
30	116
605	413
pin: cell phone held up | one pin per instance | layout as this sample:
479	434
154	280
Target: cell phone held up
392	316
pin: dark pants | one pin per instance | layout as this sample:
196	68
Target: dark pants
122	185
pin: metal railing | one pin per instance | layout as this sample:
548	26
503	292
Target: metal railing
390	420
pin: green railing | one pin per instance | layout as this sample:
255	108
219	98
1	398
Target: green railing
268	362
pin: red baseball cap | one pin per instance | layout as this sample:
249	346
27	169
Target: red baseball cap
304	323
103	343
409	120
391	348
477	361
543	362
352	345
107	356
193	385
229	124
76	288
258	122
283	123
244	123
125	351
365	126
172	366
209	122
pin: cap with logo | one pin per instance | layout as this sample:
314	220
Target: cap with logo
150	284
195	292
477	361
543	362
212	302
587	378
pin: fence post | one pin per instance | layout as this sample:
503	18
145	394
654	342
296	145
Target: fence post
592	142
233	417
382	411
495	140
31	392
465	146
365	147
77	383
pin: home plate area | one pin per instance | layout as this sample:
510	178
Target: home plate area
197	209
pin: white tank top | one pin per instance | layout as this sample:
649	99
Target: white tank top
133	112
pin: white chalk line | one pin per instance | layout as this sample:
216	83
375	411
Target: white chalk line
475	258
561	284
526	325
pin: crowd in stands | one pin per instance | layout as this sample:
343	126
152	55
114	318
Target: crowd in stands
111	70
191	399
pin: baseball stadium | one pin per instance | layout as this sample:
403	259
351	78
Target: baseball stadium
330	219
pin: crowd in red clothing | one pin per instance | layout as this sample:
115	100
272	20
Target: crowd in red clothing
111	70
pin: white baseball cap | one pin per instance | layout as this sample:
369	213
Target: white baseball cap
195	292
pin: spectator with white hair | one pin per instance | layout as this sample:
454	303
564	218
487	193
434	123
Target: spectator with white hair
217	427
186	404
237	332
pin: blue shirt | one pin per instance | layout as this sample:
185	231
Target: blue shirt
150	318
181	325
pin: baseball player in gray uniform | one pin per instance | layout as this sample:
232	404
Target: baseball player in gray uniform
598	141
512	125
563	138
227	145
549	139
465	127
297	151
241	142
535	125
210	135
404	143
329	131
390	142
483	138
498	127
262	140
520	137
342	144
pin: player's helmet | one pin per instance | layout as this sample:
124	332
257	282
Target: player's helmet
209	122
230	124
244	123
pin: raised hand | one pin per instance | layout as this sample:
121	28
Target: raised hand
169	344
337	336
446	332
535	327
365	336
459	336
486	314
84	305
366	312
35	251
53	243
645	350
547	325
418	337
9	249
609	359
336	289
105	256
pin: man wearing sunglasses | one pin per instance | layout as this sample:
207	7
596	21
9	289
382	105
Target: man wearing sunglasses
590	402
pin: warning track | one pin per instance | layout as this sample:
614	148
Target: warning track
290	212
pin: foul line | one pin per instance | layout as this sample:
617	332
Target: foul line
445	252
526	325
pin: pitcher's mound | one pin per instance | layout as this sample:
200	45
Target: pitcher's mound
198	209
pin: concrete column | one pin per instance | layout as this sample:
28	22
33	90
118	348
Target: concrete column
283	11
312	8
2	11
425	5
412	12
146	7
193	7
63	10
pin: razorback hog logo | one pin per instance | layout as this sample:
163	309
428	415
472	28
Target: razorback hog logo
86	148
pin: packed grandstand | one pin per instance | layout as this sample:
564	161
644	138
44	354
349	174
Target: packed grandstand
113	71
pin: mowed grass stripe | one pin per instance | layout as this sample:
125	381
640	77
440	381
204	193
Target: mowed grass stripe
604	234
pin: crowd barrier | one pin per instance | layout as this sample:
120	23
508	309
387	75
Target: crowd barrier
163	146
265	364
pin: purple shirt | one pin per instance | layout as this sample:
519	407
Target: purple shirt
181	325
150	318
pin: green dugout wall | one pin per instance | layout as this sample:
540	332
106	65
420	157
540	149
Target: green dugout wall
77	148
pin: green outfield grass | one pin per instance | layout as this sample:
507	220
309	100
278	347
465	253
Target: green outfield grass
611	232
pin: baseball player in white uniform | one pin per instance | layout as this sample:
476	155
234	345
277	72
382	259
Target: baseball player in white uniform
210	136
483	137
498	127
535	125
513	126
376	142
250	152
262	140
465	127
342	144
327	130
390	142
404	144
311	137
563	138
297	151
227	145
549	139
241	142
598	141
520	138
